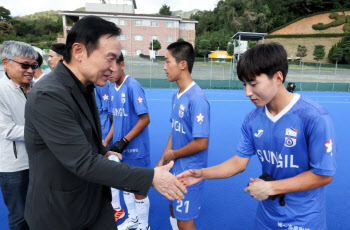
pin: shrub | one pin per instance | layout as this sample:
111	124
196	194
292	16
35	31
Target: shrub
333	15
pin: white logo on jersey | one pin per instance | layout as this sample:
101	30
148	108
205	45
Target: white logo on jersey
112	98
178	126
181	110
329	146
119	112
105	97
200	118
140	99
123	98
259	134
290	138
275	158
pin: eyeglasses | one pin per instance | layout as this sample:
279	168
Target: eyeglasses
25	65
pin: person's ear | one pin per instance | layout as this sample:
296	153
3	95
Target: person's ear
279	77
78	51
183	65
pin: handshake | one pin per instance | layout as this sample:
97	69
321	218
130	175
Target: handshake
120	145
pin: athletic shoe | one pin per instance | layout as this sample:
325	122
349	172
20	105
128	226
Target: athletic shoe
148	228
119	214
128	224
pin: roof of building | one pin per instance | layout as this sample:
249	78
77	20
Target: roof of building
126	15
249	36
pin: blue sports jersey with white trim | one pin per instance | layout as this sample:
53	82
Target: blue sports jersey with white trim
190	119
126	104
102	100
302	139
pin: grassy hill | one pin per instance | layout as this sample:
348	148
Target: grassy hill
300	32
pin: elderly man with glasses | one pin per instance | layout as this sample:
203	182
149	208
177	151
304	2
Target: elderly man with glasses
19	61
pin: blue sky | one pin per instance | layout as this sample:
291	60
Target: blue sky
25	7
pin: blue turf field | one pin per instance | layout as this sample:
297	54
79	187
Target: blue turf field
225	205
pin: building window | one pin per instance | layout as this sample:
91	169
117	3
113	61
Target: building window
169	38
122	22
170	24
122	37
138	52
154	38
125	52
154	23
138	38
183	26
138	23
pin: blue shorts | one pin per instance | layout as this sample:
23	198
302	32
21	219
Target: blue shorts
144	162
190	206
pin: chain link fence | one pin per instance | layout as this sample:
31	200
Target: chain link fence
221	74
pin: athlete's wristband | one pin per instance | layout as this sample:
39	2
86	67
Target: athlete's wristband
120	145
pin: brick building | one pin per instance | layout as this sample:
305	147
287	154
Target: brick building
138	30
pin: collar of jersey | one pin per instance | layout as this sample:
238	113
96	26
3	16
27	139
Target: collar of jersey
284	111
188	88
118	88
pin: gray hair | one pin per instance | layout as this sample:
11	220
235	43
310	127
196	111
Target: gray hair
12	49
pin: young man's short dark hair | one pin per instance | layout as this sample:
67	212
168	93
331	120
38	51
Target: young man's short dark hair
39	59
58	48
120	58
183	51
88	31
263	59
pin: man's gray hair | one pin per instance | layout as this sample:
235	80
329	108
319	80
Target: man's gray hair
12	49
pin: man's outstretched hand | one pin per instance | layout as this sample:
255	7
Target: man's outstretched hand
190	177
167	184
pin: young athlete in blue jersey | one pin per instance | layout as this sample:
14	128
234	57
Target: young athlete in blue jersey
188	141
102	100
294	139
129	113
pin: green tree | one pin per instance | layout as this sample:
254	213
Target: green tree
301	52
230	49
4	14
180	40
5	28
165	10
319	52
156	45
203	47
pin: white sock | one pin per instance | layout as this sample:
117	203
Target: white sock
116	199
173	222
142	210
115	192
129	199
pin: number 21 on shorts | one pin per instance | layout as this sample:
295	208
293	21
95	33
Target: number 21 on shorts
182	206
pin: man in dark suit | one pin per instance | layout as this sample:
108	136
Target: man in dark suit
70	174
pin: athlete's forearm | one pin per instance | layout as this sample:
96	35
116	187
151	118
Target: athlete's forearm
109	136
303	182
228	168
139	127
195	146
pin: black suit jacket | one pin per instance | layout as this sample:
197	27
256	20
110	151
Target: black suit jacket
69	177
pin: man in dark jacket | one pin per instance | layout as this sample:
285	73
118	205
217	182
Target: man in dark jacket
70	174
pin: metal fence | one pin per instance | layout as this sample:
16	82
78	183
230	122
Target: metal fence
220	74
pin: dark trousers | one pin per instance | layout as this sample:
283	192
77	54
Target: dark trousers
105	219
14	186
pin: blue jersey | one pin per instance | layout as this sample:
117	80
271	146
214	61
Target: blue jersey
300	138
190	119
127	102
102	101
